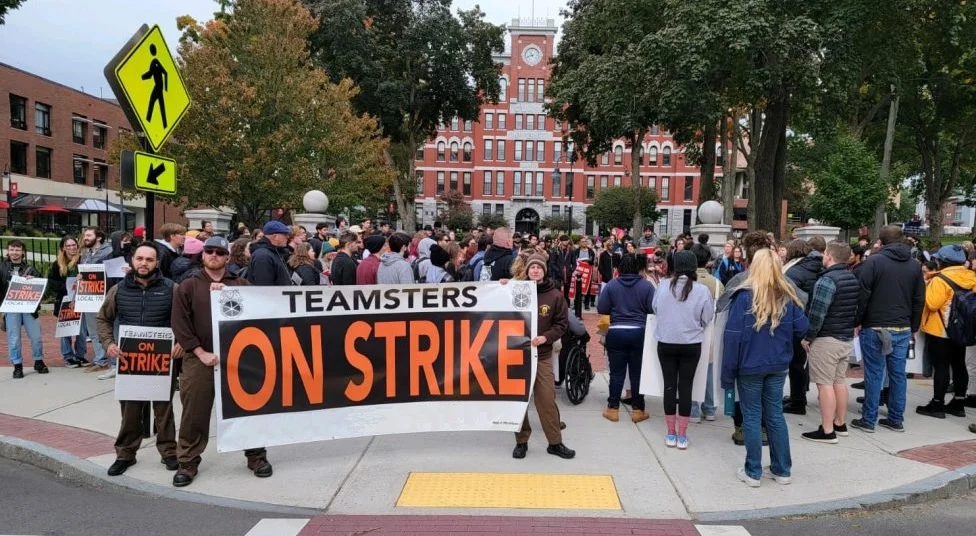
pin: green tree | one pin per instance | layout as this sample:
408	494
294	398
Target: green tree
597	84
560	223
456	213
417	66
267	125
847	184
7	6
616	206
492	220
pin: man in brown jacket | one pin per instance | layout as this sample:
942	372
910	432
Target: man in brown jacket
192	325
144	298
553	323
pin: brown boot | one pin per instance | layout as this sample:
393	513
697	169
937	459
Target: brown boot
184	475
639	415
611	414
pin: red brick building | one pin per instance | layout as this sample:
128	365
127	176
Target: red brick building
53	155
506	163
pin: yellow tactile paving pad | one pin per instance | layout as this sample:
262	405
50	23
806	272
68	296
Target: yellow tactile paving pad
509	490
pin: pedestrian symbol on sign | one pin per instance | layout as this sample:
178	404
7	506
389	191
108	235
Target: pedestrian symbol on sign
160	84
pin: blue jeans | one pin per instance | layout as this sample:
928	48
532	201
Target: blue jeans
33	328
875	367
708	406
761	398
625	351
78	349
90	325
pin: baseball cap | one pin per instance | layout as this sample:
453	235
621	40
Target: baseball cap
139	231
954	254
355	229
218	242
276	227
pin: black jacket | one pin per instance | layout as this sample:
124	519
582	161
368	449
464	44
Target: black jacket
839	322
607	262
806	272
499	261
892	290
57	284
185	267
267	266
343	270
561	264
9	269
166	257
309	275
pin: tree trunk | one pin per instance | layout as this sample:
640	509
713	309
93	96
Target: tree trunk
779	184
707	190
731	152
764	192
636	182
879	214
405	203
755	129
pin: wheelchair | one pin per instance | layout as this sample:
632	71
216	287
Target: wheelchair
579	372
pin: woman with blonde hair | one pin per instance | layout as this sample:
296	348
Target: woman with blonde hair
765	316
65	265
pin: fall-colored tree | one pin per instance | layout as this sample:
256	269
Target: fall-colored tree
267	125
456	213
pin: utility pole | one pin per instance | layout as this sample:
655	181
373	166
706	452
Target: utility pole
879	214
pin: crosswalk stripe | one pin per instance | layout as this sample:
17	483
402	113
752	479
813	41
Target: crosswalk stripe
722	530
277	527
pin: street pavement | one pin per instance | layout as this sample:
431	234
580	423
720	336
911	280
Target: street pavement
73	412
35	502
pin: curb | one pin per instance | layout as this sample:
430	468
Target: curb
80	471
946	485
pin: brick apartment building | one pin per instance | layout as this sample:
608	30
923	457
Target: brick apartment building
53	155
507	162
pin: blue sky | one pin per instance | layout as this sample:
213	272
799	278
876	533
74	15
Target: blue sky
70	41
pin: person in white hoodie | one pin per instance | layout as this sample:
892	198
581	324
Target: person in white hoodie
422	262
394	268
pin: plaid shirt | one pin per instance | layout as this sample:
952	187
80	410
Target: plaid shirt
820	300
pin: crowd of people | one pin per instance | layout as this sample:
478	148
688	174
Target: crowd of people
781	311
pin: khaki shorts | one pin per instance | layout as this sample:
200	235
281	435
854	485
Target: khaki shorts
827	360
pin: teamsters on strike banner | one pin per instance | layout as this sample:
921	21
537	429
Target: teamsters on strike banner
439	347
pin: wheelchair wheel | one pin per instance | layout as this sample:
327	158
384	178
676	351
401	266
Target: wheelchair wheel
577	377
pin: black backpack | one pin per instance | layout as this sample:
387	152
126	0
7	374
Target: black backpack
415	266
465	272
961	324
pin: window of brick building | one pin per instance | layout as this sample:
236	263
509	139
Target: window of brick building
541	95
689	187
518	150
618	155
501	150
540	151
486	189
454	151
43	162
440	183
468	149
529	122
521	90
441	146
489	150
589	186
466	184
489	121
500	183
502	120
101	173
666	156
652	156
454	180
18	157
79	130
100	134
18	112
665	188
80	169
42	119
517	183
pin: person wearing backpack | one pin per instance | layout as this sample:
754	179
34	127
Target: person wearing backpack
946	304
498	258
478	260
421	264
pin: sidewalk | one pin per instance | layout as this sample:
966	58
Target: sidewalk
76	413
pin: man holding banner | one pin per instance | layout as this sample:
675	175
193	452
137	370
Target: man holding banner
143	299
97	251
193	328
15	286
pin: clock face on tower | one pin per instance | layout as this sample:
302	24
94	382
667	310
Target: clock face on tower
532	55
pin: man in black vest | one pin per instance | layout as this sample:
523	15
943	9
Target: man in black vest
144	298
828	343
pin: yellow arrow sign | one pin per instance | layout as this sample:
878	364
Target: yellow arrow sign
154	173
148	85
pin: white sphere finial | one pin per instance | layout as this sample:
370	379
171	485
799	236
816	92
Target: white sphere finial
710	212
316	202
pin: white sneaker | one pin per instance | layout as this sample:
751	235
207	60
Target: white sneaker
108	375
782	480
751	482
709	418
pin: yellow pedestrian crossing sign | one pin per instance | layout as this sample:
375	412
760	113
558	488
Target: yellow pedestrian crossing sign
148	85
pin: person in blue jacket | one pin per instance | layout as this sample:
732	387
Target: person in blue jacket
764	317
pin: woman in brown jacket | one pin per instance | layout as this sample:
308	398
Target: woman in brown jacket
553	321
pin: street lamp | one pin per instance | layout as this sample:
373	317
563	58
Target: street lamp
98	188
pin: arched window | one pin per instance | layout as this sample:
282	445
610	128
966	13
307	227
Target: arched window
503	90
441	146
467	151
618	155
652	156
666	156
454	151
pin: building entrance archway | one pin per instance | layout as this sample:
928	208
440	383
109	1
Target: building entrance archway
527	221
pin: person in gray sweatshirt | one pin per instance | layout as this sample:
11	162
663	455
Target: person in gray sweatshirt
683	308
394	268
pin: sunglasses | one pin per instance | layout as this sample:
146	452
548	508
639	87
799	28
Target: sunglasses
215	251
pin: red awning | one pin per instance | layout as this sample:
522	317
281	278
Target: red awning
51	209
4	204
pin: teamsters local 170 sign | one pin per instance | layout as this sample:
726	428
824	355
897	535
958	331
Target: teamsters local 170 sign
301	364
